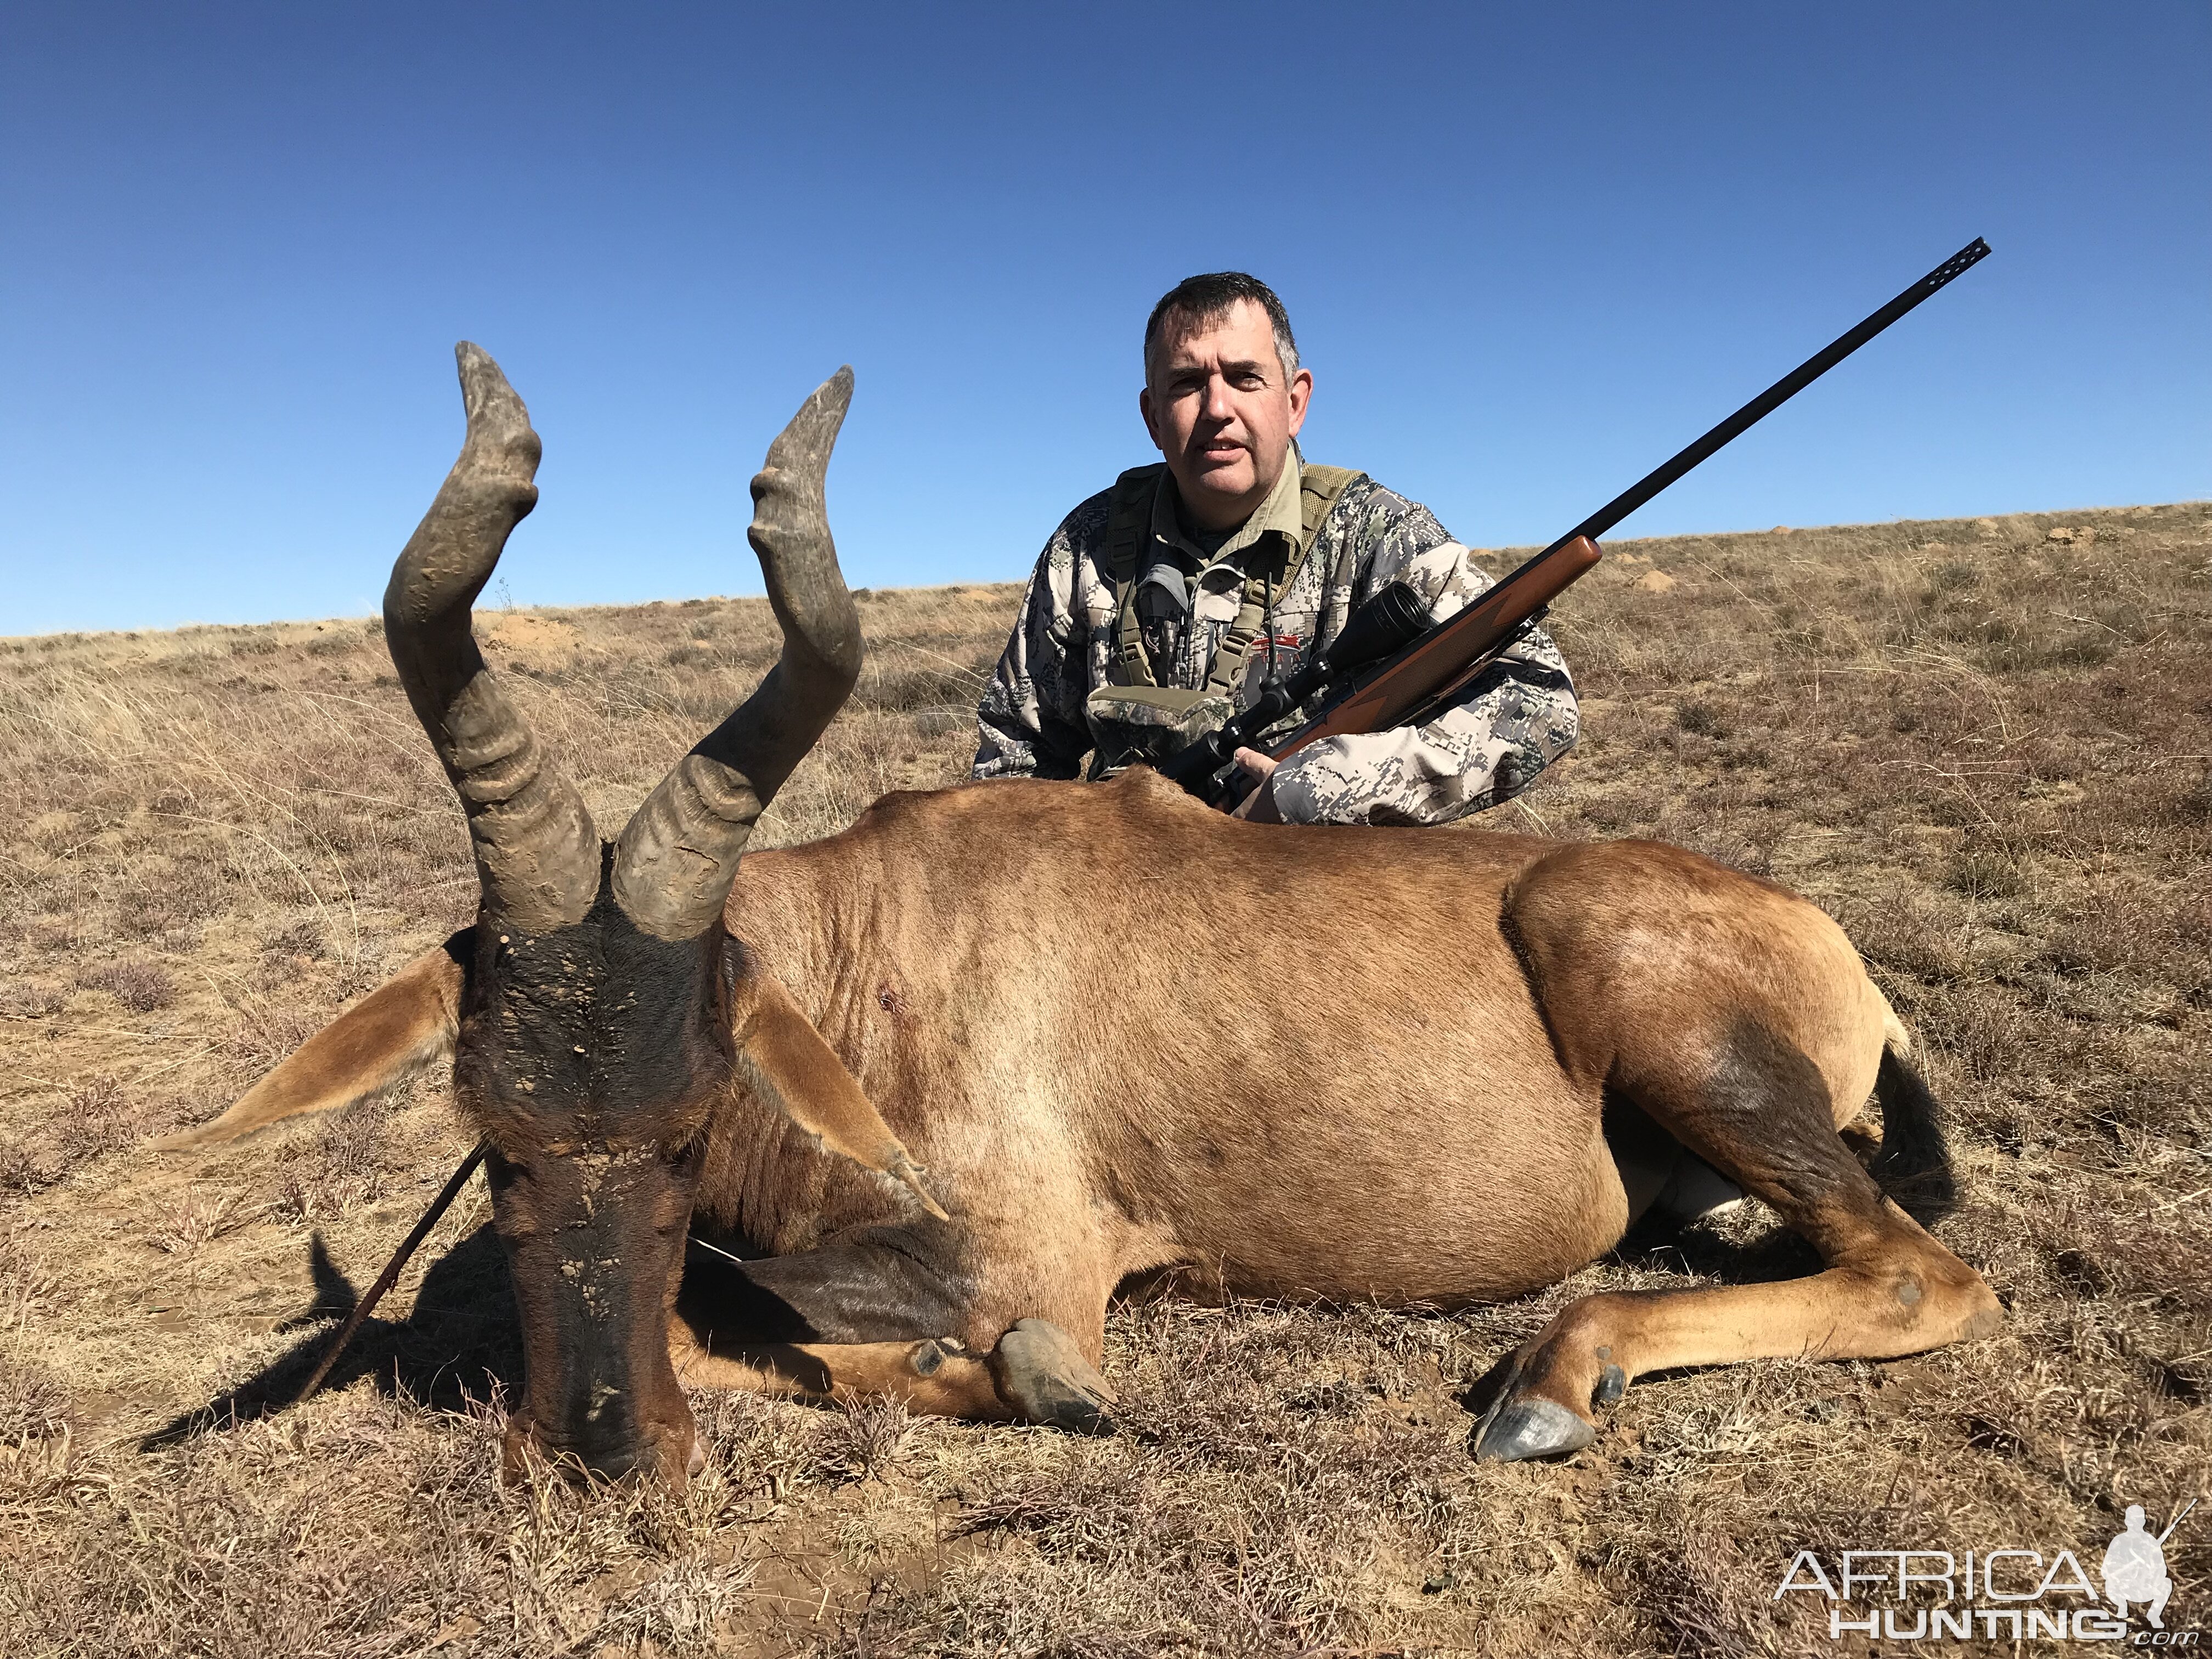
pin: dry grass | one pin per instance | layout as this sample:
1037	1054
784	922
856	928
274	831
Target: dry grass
1986	746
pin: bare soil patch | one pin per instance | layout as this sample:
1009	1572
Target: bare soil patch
1986	745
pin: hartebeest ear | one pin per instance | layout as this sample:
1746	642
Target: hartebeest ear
785	1056
408	1021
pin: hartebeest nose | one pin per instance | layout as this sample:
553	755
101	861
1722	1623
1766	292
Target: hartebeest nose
672	1454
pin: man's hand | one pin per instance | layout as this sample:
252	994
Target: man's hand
1259	806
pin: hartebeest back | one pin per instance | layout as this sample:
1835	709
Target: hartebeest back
1123	1033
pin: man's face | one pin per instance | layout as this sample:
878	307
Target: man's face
1218	404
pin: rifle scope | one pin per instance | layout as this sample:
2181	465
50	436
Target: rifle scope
1389	621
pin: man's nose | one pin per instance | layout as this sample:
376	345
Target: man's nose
1218	405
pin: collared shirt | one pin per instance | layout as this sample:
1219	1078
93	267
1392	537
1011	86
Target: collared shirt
1191	583
1512	720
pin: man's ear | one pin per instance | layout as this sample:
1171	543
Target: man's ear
1151	425
784	1057
1301	394
408	1021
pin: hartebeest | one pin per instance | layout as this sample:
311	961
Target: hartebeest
955	1074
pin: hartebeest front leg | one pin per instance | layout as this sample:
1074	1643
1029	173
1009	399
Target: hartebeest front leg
935	1376
1761	1115
882	1310
1036	1373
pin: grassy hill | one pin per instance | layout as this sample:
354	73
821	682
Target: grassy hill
1986	745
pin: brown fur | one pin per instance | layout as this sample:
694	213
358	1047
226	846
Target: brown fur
1126	1033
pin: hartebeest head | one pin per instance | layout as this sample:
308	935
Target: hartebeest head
595	1012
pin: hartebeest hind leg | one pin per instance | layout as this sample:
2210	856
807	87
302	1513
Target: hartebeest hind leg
1762	1116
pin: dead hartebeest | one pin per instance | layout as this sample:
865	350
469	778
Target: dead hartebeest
1108	1030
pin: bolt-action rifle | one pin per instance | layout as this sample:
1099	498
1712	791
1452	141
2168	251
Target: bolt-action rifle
1391	667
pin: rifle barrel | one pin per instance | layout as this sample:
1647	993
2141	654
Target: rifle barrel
1411	684
2176	1522
1774	396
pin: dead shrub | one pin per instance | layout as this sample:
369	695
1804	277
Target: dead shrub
1098	1507
26	1169
908	690
56	934
343	1167
303	938
870	1430
99	1118
1695	1588
1982	873
763	1445
1916	941
255	1046
32	999
195	1219
1954	576
2180	796
180	900
2096	1254
141	987
1703	719
34	1401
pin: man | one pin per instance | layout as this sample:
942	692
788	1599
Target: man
1162	604
2135	1570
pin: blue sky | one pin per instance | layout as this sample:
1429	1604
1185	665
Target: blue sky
1529	251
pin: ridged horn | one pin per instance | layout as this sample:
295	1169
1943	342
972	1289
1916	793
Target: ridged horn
537	852
679	853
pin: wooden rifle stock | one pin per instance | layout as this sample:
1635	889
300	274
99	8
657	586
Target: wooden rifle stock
1442	661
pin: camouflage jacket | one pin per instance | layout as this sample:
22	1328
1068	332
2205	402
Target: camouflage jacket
1512	720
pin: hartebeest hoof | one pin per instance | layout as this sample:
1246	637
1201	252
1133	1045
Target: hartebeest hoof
1530	1427
1521	1424
1041	1374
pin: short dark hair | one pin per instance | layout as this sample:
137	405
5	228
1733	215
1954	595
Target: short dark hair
1209	297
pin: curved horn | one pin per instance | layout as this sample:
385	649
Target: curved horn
678	854
537	852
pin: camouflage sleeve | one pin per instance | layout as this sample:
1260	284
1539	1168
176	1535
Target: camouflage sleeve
1029	723
1515	718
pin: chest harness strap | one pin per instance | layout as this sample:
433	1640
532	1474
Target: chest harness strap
1129	527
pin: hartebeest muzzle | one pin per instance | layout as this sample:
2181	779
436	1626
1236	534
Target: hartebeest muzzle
594	1034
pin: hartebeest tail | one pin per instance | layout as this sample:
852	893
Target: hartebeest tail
1914	1165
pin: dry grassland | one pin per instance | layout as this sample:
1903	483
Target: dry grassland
1983	744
